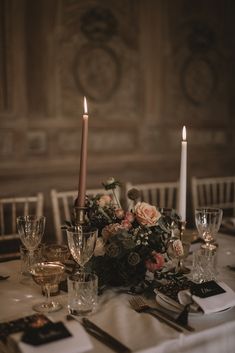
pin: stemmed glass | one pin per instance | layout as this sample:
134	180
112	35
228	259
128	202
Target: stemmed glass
47	274
82	241
208	221
31	229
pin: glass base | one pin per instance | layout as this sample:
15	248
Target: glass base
182	269
47	307
81	312
209	247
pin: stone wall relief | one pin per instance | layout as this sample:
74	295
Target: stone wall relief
97	61
196	74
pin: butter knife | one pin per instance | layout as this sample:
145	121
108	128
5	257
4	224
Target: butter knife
104	337
101	335
168	319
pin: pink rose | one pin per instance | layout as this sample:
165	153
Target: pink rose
156	263
129	216
178	248
104	200
110	229
126	224
146	214
119	213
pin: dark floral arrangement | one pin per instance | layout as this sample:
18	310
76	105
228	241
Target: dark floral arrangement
132	244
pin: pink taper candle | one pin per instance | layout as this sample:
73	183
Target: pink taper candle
183	177
83	158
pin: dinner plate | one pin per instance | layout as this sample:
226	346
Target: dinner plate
171	305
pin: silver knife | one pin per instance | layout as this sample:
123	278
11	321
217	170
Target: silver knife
101	335
104	337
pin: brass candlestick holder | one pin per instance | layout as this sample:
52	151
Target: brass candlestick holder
79	214
180	265
182	227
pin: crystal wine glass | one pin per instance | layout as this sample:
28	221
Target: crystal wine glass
31	229
59	253
47	274
208	221
82	241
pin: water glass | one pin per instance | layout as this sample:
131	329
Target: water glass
25	260
208	221
81	242
204	266
82	293
31	229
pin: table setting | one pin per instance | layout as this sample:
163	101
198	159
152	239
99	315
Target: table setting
128	280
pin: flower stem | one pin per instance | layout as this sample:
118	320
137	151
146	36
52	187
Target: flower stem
116	199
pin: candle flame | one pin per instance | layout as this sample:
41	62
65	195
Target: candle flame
184	133
85	106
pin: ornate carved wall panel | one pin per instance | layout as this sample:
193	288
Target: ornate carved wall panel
196	74
99	58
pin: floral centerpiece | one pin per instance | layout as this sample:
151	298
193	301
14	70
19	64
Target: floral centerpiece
131	243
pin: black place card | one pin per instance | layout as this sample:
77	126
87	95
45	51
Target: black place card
50	332
18	325
206	289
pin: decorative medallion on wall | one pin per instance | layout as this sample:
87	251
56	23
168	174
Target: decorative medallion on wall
198	75
198	79
91	73
96	60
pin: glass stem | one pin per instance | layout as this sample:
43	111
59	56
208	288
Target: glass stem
31	258
47	293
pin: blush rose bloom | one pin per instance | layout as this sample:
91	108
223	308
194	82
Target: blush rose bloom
110	229
104	200
178	248
129	216
99	247
156	263
126	224
146	214
119	213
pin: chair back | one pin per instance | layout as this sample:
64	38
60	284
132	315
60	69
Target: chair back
214	192
10	209
161	194
62	205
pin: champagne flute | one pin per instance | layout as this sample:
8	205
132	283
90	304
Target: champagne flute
208	221
47	274
82	241
31	229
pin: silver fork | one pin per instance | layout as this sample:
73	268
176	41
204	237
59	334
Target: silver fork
139	305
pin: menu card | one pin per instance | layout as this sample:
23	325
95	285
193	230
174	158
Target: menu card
76	340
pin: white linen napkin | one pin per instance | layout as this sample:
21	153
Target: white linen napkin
217	302
78	343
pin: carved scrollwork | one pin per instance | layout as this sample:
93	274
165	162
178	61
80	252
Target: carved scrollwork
99	24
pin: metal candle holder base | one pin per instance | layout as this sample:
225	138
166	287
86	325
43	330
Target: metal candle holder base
180	266
79	215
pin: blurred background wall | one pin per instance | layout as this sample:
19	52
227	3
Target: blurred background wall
147	67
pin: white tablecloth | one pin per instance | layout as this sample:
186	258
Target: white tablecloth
215	333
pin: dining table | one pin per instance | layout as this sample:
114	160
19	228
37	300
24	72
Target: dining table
141	332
